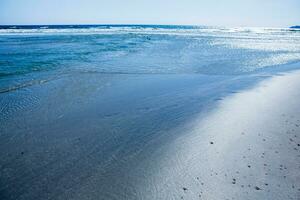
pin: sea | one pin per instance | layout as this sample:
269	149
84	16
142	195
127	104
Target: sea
143	49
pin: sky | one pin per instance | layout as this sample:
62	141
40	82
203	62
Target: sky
231	13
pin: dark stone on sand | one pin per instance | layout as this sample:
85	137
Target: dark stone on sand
184	189
233	181
211	142
257	188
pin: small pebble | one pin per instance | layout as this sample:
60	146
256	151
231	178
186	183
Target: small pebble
257	188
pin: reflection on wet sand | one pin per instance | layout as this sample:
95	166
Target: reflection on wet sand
89	136
246	148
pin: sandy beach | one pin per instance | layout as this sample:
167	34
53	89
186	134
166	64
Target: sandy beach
212	141
246	148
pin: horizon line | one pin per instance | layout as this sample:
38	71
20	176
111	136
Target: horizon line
140	24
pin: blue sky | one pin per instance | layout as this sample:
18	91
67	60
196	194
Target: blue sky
271	13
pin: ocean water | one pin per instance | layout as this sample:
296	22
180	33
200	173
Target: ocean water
105	111
141	49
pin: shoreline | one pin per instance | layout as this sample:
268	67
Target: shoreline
245	148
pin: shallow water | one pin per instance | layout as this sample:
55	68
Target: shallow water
104	112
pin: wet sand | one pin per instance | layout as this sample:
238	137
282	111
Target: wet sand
246	148
152	137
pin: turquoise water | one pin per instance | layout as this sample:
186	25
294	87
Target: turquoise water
27	51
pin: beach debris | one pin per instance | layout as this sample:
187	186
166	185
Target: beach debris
211	142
